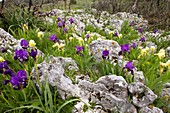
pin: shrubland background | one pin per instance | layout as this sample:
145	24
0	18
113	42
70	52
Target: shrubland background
157	12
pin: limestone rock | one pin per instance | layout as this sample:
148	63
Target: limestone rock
53	72
146	109
98	46
142	95
116	85
6	40
139	77
109	91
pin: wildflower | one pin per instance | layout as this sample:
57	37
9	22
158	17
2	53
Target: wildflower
3	65
3	49
59	24
15	82
33	53
71	20
129	66
144	52
161	54
163	65
131	24
2	59
71	38
25	27
120	36
22	75
32	43
65	30
79	49
155	31
116	33
40	34
152	48
80	40
5	82
140	30
60	46
24	44
18	81
168	64
111	32
9	72
63	23
124	49
105	53
142	39
53	38
21	55
87	36
58	19
133	45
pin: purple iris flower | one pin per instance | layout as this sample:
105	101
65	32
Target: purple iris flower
3	65
59	24
87	36
105	53
40	13
24	44
140	30
116	34
3	50
63	23
65	29
5	82
47	14
53	38
131	24
79	49
129	66
155	31
21	55
9	72
33	53
58	19
14	80
18	81
124	49
142	39
71	20
22	75
133	45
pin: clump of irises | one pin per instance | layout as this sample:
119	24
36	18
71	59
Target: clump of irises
62	24
17	80
27	50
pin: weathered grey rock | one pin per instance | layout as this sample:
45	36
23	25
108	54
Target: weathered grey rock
142	95
139	77
166	92
116	85
52	71
146	109
109	91
82	77
78	108
98	46
6	40
117	24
